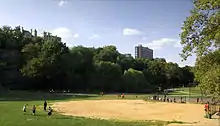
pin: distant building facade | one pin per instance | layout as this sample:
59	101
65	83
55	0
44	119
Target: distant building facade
143	52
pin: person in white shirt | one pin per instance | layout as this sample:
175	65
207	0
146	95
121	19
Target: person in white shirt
50	111
25	108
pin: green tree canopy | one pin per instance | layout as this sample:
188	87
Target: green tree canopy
47	63
201	30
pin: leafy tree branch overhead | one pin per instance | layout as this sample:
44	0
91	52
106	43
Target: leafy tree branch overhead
201	35
201	30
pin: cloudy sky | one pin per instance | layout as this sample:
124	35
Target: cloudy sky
94	23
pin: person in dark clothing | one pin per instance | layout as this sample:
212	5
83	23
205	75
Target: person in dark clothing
164	99
167	99
45	105
34	110
197	100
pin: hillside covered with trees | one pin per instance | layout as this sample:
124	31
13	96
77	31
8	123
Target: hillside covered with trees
31	62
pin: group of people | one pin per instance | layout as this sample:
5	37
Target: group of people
34	109
121	96
166	99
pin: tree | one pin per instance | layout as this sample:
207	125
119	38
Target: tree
107	76
45	66
82	65
47	63
134	81
108	53
201	30
125	62
2	75
30	51
156	73
207	72
211	81
201	35
187	75
173	74
140	64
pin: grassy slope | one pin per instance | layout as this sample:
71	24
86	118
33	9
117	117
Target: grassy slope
11	112
194	91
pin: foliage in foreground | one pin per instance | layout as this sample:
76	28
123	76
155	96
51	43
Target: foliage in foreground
201	30
201	35
207	73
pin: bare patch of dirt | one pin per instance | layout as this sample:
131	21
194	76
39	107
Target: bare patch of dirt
137	110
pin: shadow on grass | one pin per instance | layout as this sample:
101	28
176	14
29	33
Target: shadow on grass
36	96
180	122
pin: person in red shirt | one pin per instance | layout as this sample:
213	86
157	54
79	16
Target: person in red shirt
207	107
207	110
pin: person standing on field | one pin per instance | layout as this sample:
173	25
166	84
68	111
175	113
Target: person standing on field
207	110
34	110
197	100
50	111
25	108
45	105
123	96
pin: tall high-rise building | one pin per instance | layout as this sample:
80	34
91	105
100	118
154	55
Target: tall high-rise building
143	52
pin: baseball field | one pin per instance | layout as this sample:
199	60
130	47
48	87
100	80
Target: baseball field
95	110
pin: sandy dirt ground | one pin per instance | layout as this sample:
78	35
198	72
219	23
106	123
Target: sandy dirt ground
137	110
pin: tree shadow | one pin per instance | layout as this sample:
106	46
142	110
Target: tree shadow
37	96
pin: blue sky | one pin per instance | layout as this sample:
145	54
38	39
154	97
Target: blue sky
94	23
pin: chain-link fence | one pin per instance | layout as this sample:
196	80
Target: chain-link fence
184	99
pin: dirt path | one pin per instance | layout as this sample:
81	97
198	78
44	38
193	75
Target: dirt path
137	110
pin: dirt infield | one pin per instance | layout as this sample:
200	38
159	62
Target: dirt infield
137	110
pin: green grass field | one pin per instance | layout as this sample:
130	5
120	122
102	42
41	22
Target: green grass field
194	91
11	111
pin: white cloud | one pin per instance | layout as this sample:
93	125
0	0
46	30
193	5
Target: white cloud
153	32
178	45
62	2
158	44
177	59
67	35
144	38
128	31
76	35
94	36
